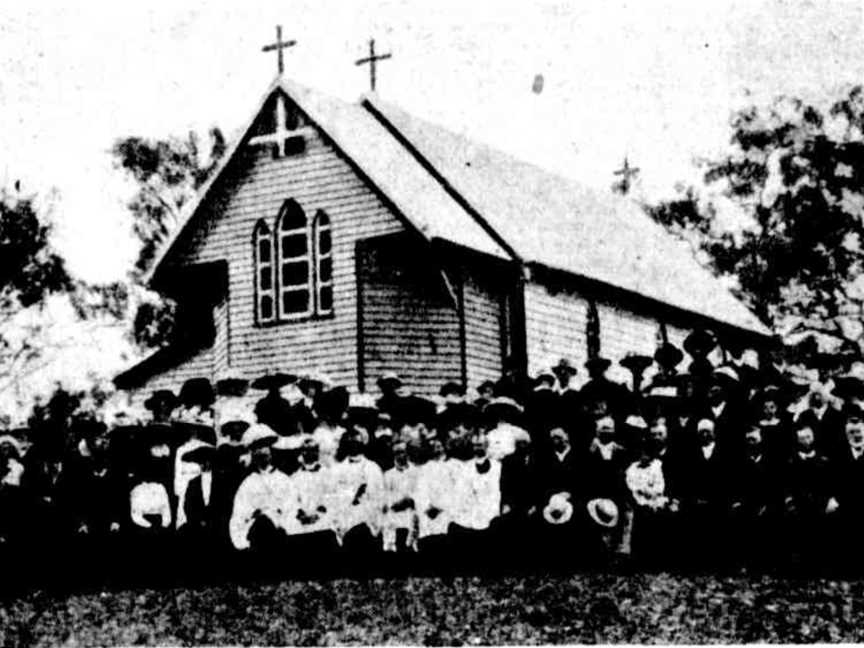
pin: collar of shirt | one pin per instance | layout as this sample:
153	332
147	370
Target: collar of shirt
806	455
857	451
708	450
718	409
562	455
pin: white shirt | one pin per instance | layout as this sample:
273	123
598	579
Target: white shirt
314	489
328	439
718	410
708	450
435	489
399	484
477	495
357	478
646	483
149	498
502	440
271	493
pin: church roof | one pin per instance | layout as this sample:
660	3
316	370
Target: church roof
454	189
562	224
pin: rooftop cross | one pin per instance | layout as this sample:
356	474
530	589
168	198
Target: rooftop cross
279	45
372	60
627	174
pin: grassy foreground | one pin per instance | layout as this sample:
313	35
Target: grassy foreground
586	608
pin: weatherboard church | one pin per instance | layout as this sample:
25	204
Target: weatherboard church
353	239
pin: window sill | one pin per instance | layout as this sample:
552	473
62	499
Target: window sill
296	320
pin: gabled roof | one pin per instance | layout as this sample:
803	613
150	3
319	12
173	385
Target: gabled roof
453	189
391	168
561	224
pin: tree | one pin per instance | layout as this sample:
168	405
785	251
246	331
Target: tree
796	173
31	274
168	174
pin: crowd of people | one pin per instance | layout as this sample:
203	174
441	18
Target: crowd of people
706	462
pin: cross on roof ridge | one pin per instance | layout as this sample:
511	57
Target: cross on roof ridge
372	60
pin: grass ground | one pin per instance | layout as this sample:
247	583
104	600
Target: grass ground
586	608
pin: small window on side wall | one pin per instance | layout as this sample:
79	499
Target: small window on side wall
323	264
295	262
265	284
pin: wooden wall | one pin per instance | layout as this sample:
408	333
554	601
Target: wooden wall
484	311
319	178
410	318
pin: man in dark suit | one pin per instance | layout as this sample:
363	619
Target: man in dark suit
807	487
561	490
826	422
846	505
703	496
520	497
754	500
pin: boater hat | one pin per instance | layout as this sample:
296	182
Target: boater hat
559	510
259	434
636	363
197	391
598	362
604	512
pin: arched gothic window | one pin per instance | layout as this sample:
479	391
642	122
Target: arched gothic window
265	284
295	262
323	264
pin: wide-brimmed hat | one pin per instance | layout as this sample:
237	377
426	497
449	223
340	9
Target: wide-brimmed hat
316	378
258	435
290	443
271	381
197	392
558	510
502	404
161	398
700	342
11	441
668	356
199	451
390	377
603	512
599	363
636	363
229	384
726	375
451	388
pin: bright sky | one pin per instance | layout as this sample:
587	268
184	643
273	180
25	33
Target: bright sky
655	80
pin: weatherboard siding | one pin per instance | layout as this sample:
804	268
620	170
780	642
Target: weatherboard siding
554	327
410	320
483	306
317	179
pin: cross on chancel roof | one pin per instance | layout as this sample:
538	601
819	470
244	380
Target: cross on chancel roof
627	174
372	61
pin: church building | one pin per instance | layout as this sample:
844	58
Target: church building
353	239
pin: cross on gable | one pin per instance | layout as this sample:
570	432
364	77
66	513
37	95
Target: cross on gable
372	61
278	46
282	134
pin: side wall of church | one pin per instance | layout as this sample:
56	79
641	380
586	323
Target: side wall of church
484	307
318	178
556	321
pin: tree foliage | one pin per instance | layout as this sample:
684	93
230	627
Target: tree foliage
168	174
796	172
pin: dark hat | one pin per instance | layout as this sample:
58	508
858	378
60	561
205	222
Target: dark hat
389	377
848	387
273	381
636	363
564	366
203	452
197	391
333	403
668	355
700	343
452	387
161	398
853	411
233	386
598	362
414	409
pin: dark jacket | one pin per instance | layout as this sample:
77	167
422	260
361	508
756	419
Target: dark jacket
520	484
604	478
807	484
558	476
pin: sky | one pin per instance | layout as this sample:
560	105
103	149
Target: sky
655	80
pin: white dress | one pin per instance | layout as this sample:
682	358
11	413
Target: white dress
269	492
314	490
358	484
149	498
435	489
478	495
399	484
